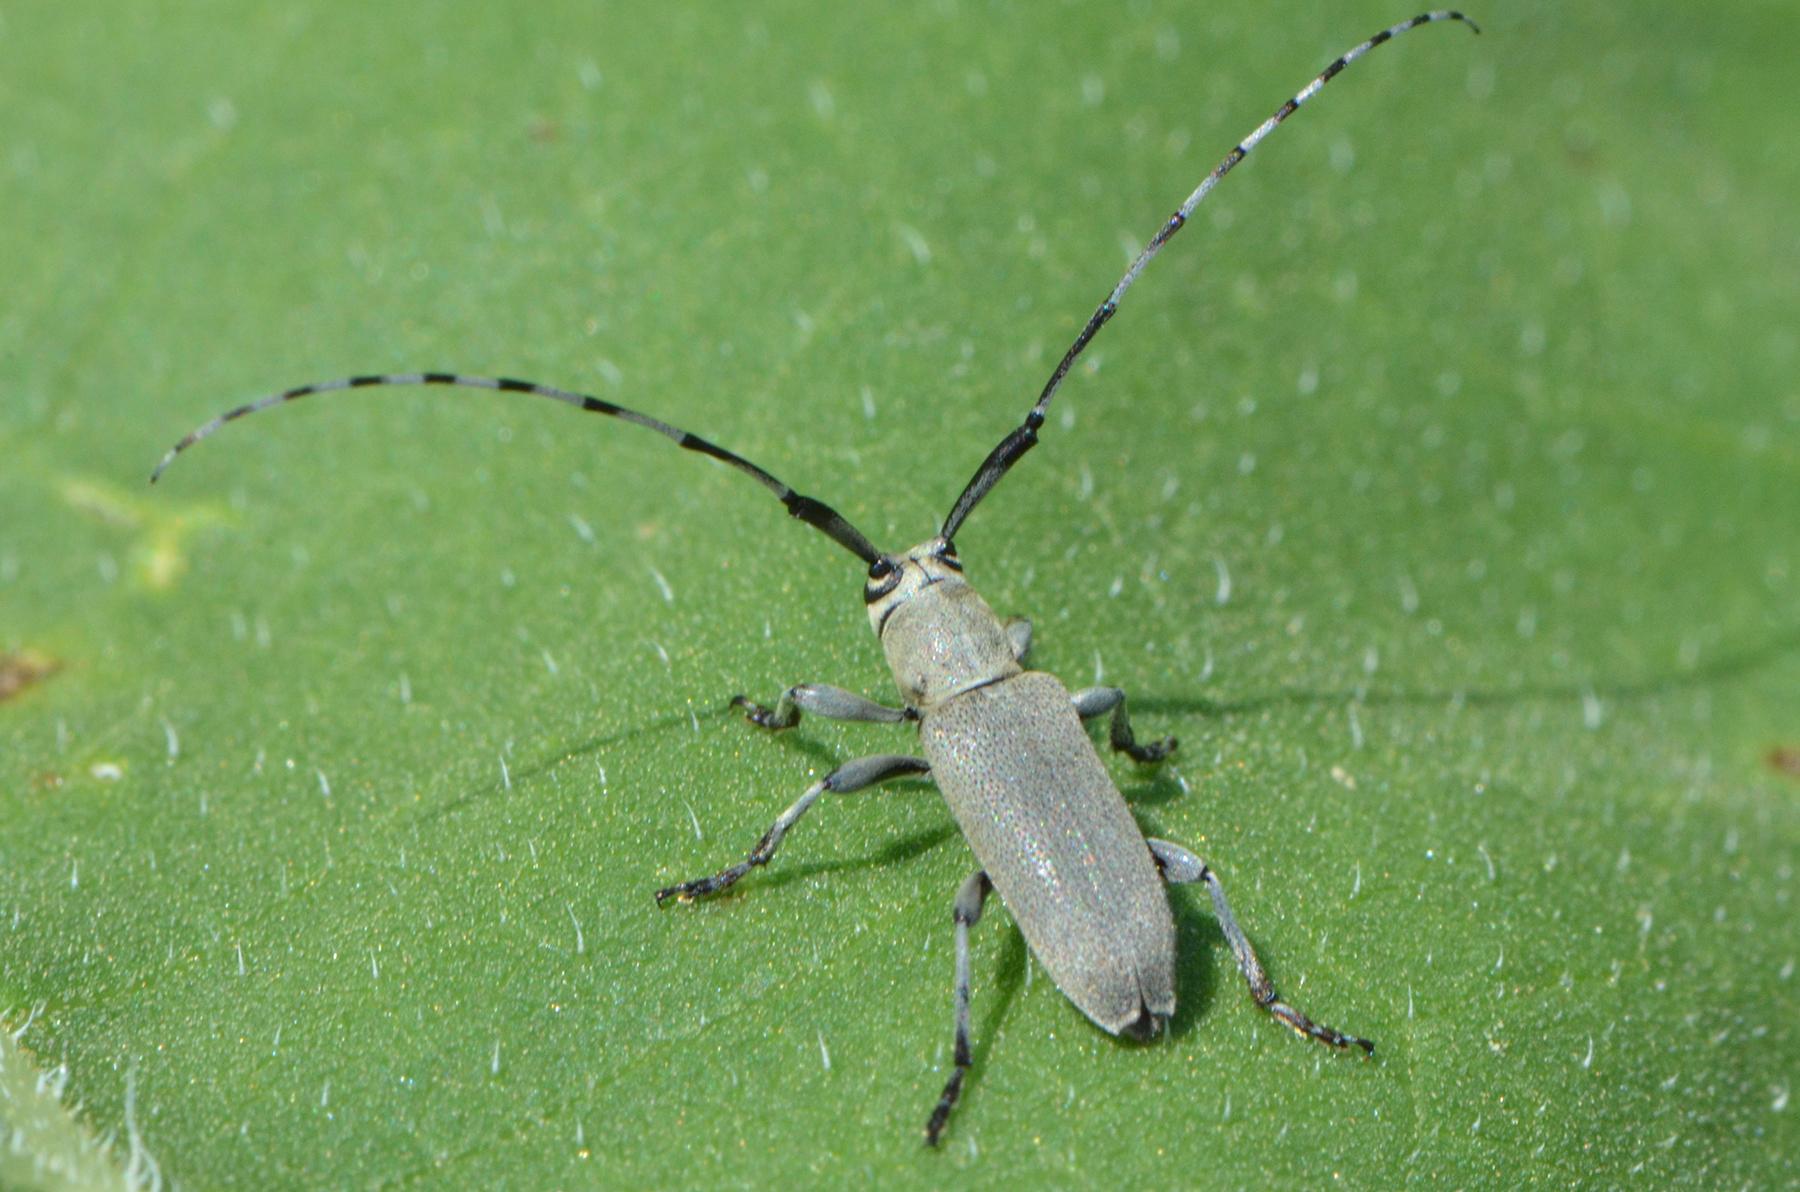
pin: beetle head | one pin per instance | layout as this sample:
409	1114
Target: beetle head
896	579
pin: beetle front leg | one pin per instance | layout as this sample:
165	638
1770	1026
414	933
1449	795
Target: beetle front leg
851	776
833	703
969	900
1098	701
1180	867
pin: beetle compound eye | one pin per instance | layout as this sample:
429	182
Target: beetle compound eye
884	577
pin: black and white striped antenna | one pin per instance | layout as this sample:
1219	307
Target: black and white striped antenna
808	509
813	512
1024	437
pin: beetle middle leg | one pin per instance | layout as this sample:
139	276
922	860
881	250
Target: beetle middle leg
1180	867
969	900
851	776
1098	701
821	699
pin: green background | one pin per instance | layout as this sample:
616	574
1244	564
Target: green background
333	833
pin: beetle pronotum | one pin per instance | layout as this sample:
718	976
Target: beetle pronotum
1005	745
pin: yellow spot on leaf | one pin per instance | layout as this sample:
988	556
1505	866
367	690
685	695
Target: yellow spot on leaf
158	555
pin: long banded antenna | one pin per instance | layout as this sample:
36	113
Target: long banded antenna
813	512
1025	436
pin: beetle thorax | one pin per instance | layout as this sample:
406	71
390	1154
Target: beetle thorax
939	635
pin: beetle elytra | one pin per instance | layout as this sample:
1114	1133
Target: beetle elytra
1005	745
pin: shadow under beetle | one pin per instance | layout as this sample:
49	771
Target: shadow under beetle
1004	744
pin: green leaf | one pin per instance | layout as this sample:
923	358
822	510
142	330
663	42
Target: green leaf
42	1145
1436	487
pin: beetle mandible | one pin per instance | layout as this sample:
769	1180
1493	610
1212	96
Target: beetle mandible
1005	745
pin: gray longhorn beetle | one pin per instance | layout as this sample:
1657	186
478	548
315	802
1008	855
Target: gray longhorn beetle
1005	745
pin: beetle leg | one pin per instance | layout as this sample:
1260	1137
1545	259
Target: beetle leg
851	776
969	899
1179	867
1098	701
833	703
1018	631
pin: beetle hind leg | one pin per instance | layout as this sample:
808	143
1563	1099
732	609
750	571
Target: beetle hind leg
969	900
1098	701
1180	867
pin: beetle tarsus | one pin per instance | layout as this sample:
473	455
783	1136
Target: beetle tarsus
702	887
762	717
939	1116
1149	754
1303	1025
